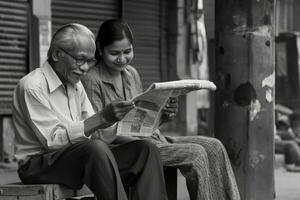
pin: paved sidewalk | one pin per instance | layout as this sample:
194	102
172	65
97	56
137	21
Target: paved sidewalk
8	173
287	185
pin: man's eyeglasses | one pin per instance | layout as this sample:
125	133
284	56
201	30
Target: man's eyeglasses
81	61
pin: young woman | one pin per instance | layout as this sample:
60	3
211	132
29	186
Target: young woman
203	161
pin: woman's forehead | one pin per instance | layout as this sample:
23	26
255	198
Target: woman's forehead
120	44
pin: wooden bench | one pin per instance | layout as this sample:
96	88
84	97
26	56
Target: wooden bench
19	191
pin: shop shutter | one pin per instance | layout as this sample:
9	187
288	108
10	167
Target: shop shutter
90	13
13	48
143	16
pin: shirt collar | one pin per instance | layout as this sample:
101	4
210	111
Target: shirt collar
52	79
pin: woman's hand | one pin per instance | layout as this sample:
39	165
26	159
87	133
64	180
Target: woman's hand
170	110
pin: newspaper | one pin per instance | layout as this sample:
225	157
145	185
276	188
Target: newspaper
144	118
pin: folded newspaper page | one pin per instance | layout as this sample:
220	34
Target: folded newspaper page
144	119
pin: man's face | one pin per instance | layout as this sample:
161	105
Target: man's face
118	55
75	63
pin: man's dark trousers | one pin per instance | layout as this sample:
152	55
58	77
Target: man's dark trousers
101	168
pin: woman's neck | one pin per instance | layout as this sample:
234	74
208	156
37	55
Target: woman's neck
117	78
112	72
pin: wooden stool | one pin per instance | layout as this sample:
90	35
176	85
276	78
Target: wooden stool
19	191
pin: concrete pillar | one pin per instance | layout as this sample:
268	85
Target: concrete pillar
41	31
7	135
1	140
244	118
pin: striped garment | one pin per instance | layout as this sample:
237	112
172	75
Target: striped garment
204	163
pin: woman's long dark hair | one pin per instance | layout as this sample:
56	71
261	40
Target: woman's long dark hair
111	31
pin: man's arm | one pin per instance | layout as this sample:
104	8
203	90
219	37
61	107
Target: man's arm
109	115
51	131
55	133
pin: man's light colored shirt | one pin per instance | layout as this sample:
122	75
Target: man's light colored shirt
46	114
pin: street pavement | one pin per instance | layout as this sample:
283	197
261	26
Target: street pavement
287	184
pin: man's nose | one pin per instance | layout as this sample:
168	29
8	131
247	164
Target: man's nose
85	67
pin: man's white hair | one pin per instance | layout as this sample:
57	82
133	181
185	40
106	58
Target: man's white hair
66	36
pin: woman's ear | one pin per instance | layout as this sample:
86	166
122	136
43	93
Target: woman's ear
56	54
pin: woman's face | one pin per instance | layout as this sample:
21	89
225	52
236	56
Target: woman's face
118	55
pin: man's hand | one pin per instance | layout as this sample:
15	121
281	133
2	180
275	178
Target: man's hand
110	114
116	110
170	110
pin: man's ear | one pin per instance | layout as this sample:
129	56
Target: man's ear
56	54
